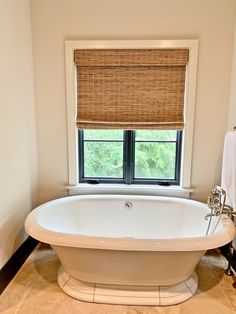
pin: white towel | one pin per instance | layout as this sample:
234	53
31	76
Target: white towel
228	177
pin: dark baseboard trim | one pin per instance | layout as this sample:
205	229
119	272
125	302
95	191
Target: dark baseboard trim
10	269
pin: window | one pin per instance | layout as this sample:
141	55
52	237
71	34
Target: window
75	137
131	157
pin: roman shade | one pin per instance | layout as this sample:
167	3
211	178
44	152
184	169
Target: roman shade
130	88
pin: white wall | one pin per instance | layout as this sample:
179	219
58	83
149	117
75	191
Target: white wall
232	98
53	22
18	160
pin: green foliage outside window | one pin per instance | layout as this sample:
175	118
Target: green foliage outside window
155	160
103	159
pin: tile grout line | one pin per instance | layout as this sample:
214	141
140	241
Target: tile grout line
66	282
188	288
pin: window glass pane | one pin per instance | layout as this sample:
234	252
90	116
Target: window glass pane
155	160
103	159
156	135
103	135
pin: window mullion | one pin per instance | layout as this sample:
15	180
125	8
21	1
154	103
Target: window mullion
132	155
129	156
126	157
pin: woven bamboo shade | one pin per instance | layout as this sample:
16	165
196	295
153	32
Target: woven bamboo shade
131	88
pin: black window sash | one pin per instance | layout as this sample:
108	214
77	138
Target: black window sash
129	161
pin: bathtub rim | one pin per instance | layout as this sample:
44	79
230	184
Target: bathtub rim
224	233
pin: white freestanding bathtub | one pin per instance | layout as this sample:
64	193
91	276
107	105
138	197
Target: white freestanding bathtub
126	249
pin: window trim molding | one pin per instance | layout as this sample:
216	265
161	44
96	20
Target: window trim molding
70	71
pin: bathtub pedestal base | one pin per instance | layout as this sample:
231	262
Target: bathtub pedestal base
129	295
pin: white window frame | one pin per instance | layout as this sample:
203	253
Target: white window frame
71	89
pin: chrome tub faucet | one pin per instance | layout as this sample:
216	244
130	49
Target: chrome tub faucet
216	203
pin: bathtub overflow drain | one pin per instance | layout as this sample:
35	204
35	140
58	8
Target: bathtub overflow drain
128	205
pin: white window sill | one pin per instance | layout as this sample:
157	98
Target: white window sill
84	188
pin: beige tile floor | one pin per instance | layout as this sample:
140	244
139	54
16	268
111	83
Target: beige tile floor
34	290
